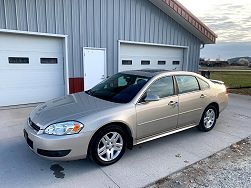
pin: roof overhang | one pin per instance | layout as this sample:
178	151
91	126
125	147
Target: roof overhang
185	18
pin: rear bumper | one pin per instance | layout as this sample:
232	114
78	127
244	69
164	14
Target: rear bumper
62	148
223	103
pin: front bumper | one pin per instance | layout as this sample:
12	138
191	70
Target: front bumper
68	147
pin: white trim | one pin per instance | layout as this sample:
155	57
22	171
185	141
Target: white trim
32	33
151	44
185	48
64	37
66	66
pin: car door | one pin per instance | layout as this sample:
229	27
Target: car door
191	100
158	116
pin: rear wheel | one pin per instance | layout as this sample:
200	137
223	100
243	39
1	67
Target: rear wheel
108	145
208	119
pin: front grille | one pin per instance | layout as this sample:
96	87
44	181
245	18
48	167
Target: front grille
33	125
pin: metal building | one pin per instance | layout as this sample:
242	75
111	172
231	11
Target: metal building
49	48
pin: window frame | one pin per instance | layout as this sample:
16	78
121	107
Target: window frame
178	90
175	91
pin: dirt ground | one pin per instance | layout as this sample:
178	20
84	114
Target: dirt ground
244	91
229	168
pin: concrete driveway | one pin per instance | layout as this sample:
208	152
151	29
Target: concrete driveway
146	163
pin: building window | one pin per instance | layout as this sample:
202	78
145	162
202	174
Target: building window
126	62
18	60
48	60
161	62
145	62
176	62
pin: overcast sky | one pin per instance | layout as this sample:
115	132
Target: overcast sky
230	20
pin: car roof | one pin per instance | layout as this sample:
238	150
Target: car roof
155	72
146	72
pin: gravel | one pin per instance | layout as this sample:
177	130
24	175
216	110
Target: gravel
229	168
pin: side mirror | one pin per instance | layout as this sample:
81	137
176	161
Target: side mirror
150	98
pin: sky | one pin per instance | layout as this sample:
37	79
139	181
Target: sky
230	20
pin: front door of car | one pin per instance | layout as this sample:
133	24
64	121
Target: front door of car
191	100
158	116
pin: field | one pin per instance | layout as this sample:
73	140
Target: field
233	79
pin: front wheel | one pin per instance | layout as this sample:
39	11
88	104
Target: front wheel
208	119
108	146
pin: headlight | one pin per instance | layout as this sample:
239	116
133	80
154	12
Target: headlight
64	128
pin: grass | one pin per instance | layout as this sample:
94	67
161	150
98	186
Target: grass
233	79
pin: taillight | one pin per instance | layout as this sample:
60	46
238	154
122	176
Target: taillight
225	90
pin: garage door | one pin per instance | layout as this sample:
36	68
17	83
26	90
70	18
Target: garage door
140	56
31	69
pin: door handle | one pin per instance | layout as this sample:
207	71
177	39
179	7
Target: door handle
202	96
172	103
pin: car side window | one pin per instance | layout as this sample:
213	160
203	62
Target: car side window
162	87
187	84
203	84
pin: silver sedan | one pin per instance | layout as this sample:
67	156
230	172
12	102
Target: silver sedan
126	109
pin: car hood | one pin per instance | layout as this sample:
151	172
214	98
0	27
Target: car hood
67	107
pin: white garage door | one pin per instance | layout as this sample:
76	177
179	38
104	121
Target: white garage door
31	69
140	56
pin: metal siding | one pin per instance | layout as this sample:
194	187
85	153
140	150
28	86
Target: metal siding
31	15
137	20
160	27
156	26
127	25
133	21
97	26
50	14
90	23
82	33
75	37
110	34
59	16
21	12
98	23
41	16
115	33
2	15
68	31
10	14
142	26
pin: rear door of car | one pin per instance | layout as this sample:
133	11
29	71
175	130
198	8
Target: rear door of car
158	116
191	100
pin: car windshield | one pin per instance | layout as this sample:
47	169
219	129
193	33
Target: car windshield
120	88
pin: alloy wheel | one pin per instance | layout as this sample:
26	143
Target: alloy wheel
110	146
209	118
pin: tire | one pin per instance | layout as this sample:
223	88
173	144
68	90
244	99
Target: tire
108	145
208	119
